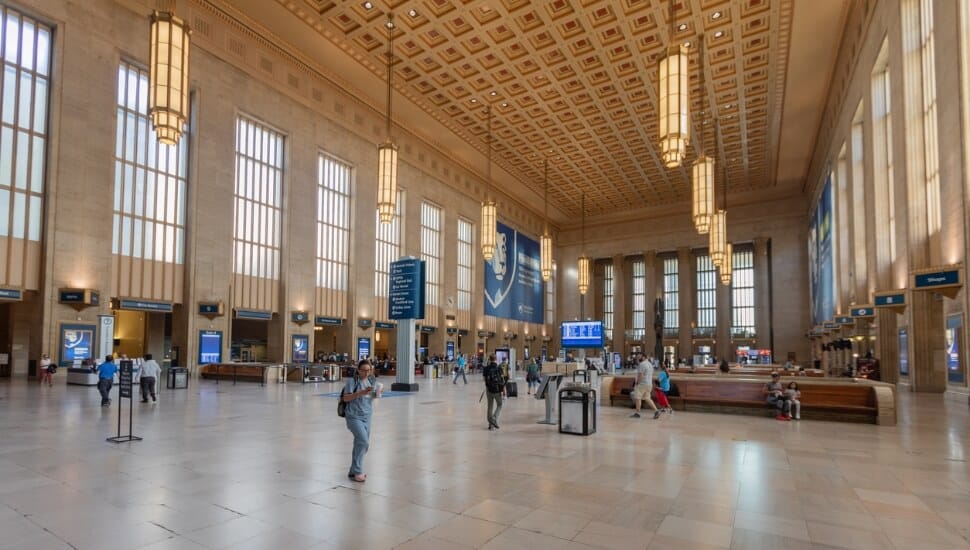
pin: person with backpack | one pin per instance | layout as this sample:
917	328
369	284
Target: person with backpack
47	370
495	390
357	395
532	375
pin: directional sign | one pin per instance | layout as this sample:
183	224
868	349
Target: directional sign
406	296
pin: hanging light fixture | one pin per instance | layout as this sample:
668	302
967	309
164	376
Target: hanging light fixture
387	151
703	171
168	65
674	97
489	212
583	264
726	267
545	243
718	237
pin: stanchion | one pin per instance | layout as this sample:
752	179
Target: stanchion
125	379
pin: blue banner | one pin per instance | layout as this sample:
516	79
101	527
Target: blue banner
513	281
450	351
77	342
301	348
937	279
820	257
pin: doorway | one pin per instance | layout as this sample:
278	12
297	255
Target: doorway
138	333
249	341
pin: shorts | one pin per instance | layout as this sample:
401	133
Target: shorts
641	391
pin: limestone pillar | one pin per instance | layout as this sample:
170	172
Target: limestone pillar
686	278
887	345
927	344
653	289
621	302
762	299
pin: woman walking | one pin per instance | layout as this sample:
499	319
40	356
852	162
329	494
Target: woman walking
357	395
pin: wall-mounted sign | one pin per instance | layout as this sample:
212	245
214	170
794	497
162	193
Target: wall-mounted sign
406	293
106	335
364	323
76	342
530	337
363	348
451	330
844	320
212	309
427	329
301	348
11	294
331	321
449	351
944	278
894	299
299	317
254	314
137	304
862	311
210	346
78	298
462	332
385	326
829	325
485	334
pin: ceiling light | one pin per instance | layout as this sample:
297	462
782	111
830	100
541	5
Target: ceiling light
545	242
726	267
493	93
489	211
674	95
413	12
716	15
682	27
368	5
718	34
168	94
582	264
387	152
687	44
505	105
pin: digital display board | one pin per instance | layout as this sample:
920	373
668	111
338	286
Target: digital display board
210	346
582	334
77	342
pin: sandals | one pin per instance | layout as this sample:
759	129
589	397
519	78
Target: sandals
359	478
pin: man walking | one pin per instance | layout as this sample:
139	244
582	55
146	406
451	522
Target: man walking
148	376
644	386
106	379
460	369
495	390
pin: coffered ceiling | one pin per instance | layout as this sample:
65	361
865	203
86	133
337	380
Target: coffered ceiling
575	81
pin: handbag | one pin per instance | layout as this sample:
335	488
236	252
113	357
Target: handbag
341	405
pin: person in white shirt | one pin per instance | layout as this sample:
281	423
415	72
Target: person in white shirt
148	374
643	386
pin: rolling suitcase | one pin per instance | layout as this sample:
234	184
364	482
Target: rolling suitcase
511	389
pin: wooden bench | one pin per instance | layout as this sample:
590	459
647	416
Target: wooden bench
845	400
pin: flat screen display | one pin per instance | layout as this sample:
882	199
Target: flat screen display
582	334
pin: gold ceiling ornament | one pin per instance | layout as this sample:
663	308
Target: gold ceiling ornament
489	211
387	151
726	266
545	243
702	175
674	97
168	66
583	263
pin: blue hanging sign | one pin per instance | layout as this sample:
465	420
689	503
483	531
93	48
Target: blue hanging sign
428	329
11	294
862	311
254	314
897	299
829	325
844	320
385	326
211	309
333	321
936	279
513	280
451	330
299	317
406	293
134	304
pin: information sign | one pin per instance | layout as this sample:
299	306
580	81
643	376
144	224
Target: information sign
210	346
450	351
363	348
301	348
125	378
406	295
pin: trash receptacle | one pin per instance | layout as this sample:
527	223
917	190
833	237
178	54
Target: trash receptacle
577	409
178	378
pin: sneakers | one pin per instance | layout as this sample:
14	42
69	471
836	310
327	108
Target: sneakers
656	414
635	415
799	417
670	411
782	417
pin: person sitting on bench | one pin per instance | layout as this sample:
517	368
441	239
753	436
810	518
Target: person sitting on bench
775	396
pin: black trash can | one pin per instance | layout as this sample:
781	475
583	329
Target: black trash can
577	409
178	378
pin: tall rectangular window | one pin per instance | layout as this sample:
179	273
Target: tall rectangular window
431	251
388	246
742	294
25	51
882	141
258	200
466	232
931	153
333	235
706	297
859	243
842	229
639	296
608	293
150	179
671	296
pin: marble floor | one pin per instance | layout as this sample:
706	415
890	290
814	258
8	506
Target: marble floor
247	467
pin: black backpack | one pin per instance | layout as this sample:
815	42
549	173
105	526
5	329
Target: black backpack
494	381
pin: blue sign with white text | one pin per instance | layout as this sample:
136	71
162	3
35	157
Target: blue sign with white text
210	346
76	343
406	296
890	300
940	278
363	348
820	257
513	280
301	348
450	351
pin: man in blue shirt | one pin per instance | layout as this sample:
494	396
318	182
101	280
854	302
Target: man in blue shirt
106	378
460	369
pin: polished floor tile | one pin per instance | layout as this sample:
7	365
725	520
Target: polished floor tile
249	467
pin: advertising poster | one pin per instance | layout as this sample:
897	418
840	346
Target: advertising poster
513	280
820	257
77	342
363	348
450	351
301	348
210	346
903	352
954	372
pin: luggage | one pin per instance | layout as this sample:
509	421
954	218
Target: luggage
577	410
512	389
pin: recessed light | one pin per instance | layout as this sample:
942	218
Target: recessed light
368	5
718	34
687	44
505	105
474	100
716	15
413	12
493	93
682	27
389	25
